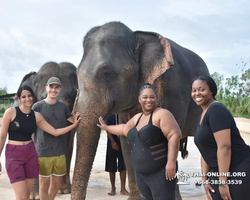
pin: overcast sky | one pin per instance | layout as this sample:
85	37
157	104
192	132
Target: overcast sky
33	32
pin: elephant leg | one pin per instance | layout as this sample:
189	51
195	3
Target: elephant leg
134	193
65	187
177	193
34	193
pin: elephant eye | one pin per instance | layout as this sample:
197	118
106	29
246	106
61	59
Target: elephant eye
107	74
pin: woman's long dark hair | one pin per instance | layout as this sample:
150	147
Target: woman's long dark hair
210	82
25	87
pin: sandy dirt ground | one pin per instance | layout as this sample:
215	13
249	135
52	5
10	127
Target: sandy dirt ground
98	189
99	184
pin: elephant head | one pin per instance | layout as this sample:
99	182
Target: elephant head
115	64
66	72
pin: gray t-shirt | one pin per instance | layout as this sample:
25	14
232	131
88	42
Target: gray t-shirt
56	115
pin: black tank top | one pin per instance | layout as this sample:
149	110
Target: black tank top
148	147
23	126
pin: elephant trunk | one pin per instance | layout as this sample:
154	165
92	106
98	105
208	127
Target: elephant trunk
85	154
88	135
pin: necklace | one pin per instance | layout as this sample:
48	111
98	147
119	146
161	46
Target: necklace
27	114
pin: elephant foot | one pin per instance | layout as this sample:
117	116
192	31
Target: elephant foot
65	191
34	197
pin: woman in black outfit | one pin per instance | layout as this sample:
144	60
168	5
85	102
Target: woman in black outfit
154	138
225	158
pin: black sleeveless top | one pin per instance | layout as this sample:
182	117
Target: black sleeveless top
148	147
23	126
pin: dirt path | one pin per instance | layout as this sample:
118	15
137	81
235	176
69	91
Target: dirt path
242	119
97	190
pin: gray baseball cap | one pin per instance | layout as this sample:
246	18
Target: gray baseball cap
54	80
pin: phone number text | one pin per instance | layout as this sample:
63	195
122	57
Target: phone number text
218	182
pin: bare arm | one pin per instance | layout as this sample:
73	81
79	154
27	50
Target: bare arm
223	140
114	129
110	136
44	125
114	145
205	169
172	132
119	129
7	118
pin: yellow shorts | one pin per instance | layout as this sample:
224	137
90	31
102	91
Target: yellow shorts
49	166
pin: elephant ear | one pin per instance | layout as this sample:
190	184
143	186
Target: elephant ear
154	55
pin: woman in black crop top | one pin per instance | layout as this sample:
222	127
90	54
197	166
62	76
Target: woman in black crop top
21	157
222	149
154	138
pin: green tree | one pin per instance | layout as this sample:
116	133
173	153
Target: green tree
219	82
3	91
234	92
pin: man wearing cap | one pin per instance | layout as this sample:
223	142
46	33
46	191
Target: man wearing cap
51	150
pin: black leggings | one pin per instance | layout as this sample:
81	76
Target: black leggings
237	191
154	186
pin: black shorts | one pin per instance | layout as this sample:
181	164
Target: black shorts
114	160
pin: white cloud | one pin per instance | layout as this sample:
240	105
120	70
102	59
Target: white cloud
192	8
36	31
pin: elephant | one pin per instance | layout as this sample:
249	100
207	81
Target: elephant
116	62
66	72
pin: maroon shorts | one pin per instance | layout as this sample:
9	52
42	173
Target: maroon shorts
21	162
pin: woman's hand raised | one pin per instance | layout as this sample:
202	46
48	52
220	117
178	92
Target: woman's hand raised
102	124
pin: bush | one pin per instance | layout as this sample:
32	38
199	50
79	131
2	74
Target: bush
4	107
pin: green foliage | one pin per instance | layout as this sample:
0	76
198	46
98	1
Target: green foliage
234	91
3	91
4	107
219	82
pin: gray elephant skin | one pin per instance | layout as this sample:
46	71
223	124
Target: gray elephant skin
66	72
116	62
